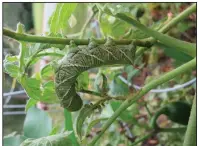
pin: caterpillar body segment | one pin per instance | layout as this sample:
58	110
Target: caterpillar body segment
82	59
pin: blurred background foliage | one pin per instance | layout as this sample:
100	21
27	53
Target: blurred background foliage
133	122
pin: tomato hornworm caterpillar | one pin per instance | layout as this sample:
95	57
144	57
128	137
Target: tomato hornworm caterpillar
81	59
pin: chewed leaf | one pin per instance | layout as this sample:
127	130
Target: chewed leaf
60	17
53	140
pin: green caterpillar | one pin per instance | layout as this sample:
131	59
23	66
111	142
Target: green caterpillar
81	59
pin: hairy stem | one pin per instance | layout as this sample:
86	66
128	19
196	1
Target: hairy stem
190	136
153	84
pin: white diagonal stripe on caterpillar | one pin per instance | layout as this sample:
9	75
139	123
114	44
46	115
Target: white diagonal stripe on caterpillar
109	53
92	56
65	81
126	55
75	65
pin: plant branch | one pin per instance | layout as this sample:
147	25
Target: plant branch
186	47
153	84
66	41
143	138
190	136
180	17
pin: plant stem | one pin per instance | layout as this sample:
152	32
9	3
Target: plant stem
153	84
142	139
91	92
178	18
69	126
172	23
66	41
190	136
186	47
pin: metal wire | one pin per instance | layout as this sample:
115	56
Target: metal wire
14	93
23	112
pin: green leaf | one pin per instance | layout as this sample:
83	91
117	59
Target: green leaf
30	103
53	140
47	71
13	140
118	88
10	65
83	80
85	112
175	54
49	94
127	115
112	26
54	130
32	87
69	126
11	69
59	19
131	71
37	123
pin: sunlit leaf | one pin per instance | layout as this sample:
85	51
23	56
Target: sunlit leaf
59	19
49	94
11	67
32	87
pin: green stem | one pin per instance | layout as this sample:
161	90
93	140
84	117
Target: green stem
172	23
142	139
69	126
190	136
178	18
186	47
66	41
91	92
153	84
